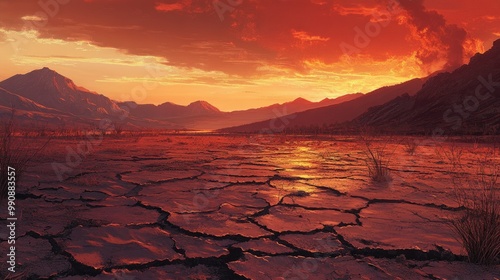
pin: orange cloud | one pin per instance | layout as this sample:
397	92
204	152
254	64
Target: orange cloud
304	37
354	10
255	34
169	7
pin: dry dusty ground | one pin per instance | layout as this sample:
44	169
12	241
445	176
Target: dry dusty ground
217	207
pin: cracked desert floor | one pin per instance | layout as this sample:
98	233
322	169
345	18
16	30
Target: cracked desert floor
239	207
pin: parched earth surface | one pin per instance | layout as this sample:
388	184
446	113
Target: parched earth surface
238	207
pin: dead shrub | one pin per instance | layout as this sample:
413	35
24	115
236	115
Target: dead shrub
476	189
410	145
377	159
16	151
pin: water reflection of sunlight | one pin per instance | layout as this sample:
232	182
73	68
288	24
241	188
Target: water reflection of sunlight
301	162
302	157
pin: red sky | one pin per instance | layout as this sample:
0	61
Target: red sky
239	54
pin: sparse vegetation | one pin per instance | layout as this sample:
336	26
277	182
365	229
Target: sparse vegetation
377	160
118	129
15	152
410	145
477	191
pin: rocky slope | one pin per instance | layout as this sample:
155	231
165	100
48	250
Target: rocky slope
50	89
333	114
463	101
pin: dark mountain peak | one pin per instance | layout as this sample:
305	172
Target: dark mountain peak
434	107
486	57
169	106
200	103
350	107
474	58
168	103
299	103
46	73
496	45
53	90
202	106
480	64
49	79
343	98
194	103
45	69
301	100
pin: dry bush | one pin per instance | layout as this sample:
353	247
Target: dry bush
410	145
135	135
16	151
119	128
453	154
476	189
377	159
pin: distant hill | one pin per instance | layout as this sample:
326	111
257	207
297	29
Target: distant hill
28	112
46	98
9	100
258	114
51	99
202	115
170	110
176	115
338	113
464	101
52	90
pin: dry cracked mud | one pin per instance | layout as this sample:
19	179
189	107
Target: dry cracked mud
233	207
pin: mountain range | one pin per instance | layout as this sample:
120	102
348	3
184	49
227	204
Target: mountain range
47	98
463	101
203	116
336	113
44	98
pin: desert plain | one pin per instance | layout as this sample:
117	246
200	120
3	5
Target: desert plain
200	206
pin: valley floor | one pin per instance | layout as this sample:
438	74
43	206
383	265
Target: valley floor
238	207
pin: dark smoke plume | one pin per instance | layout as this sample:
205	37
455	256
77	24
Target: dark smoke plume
440	41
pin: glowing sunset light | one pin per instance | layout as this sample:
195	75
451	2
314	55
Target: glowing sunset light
257	55
250	139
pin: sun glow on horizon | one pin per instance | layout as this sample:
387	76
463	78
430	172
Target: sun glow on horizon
236	63
112	72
